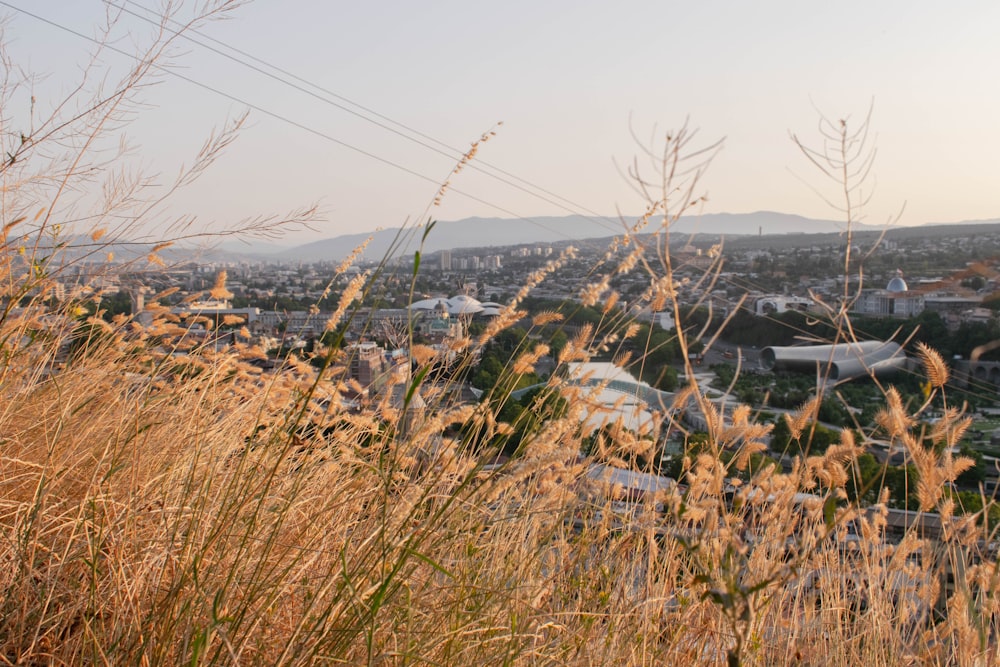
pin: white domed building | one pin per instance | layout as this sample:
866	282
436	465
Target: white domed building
453	306
446	317
897	284
896	300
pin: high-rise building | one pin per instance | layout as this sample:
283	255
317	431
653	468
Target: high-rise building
366	362
446	260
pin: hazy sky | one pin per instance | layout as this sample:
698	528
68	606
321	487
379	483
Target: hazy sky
565	78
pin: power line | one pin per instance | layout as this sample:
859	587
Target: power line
451	152
315	131
454	151
289	121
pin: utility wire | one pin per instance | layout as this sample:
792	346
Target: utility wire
599	219
294	123
450	152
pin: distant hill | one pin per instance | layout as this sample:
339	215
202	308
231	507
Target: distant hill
763	229
936	229
490	232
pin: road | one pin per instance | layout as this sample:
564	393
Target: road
723	352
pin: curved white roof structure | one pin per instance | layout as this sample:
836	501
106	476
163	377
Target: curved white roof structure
456	305
844	361
464	305
428	304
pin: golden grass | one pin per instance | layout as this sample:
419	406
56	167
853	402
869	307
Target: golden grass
160	508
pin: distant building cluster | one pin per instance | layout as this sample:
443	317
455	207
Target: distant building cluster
450	262
536	251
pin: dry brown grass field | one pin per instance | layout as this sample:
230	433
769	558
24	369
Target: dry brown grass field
162	502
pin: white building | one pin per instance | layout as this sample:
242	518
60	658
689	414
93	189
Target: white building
610	394
774	304
894	301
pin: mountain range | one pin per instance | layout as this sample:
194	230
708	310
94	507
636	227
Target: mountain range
490	232
761	229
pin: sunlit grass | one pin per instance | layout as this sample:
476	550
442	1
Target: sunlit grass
162	502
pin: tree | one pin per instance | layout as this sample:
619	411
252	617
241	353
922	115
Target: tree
526	416
666	379
832	411
902	484
976	282
557	341
975	475
119	303
487	373
781	436
814	439
864	480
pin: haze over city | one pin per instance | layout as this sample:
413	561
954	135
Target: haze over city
567	80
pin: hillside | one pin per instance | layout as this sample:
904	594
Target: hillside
491	232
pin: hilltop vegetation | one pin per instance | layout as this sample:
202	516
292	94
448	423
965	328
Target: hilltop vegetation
167	498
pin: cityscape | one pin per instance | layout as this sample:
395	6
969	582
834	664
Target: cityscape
404	340
762	299
536	334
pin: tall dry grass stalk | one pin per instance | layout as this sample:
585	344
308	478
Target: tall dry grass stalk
164	508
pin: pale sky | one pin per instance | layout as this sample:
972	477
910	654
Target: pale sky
564	77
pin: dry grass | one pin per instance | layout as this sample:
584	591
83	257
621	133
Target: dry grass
158	508
152	516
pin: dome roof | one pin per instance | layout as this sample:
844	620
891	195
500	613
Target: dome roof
456	305
897	284
428	304
464	305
